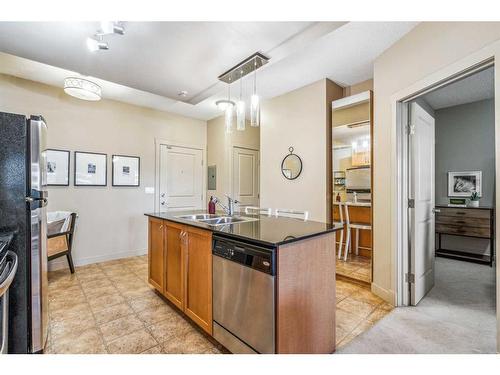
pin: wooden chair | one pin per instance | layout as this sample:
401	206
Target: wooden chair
340	221
357	226
60	244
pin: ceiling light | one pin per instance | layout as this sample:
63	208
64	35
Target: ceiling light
95	45
182	93
228	117
223	104
82	89
111	27
240	108
255	101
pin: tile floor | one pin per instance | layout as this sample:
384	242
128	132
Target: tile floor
356	267
110	308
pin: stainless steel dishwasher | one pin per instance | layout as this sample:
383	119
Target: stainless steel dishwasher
243	296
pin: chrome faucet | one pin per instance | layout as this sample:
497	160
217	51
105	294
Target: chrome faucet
229	209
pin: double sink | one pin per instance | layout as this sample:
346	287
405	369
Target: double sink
216	220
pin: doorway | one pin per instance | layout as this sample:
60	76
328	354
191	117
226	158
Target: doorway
245	176
447	200
180	178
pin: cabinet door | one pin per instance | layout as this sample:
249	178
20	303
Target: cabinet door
174	263
156	262
198	277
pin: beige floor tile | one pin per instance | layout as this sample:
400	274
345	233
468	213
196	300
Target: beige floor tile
96	284
155	314
352	306
174	327
97	292
66	302
365	295
386	306
63	292
135	342
120	327
346	321
111	313
143	303
158	349
79	311
377	314
192	343
105	301
88	341
67	326
138	292
86	278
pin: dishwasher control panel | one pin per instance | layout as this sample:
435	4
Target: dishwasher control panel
252	256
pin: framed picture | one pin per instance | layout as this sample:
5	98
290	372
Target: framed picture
463	184
57	167
90	169
126	170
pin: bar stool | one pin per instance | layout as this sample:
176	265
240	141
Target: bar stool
251	210
280	212
357	227
340	222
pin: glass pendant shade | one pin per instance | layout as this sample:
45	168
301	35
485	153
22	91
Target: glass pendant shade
240	115
228	119
255	110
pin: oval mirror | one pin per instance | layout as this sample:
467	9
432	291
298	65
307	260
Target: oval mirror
291	166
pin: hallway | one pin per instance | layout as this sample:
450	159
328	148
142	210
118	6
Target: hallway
457	316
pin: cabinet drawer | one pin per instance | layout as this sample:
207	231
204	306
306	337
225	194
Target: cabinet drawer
463	230
465	212
463	221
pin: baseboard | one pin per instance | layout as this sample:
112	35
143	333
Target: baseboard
61	263
386	294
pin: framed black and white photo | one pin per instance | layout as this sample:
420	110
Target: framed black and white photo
90	169
126	170
463	184
57	167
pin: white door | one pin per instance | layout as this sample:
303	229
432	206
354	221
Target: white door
246	176
422	190
181	178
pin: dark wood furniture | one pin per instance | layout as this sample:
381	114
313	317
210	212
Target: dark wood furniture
468	222
60	244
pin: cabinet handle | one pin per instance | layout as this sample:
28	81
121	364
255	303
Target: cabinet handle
161	227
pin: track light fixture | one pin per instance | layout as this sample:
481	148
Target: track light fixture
96	43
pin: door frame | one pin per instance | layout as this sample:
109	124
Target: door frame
399	167
231	167
159	142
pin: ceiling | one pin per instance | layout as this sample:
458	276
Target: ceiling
154	61
343	136
478	86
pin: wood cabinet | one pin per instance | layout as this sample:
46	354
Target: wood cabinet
198	277
156	253
174	263
180	267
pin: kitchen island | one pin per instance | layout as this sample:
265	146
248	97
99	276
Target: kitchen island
281	297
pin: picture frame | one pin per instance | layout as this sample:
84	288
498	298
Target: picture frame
126	171
463	184
57	164
90	169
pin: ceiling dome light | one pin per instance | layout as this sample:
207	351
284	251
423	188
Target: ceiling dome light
82	89
95	45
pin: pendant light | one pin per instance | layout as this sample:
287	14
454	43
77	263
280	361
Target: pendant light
255	101
240	108
228	116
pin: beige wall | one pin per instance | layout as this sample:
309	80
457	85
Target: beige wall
425	50
358	87
301	119
111	223
220	152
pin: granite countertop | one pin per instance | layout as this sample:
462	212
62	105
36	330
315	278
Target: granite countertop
268	231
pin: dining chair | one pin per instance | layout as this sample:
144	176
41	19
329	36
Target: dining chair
60	244
251	210
340	222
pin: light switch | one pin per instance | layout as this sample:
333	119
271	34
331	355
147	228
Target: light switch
149	190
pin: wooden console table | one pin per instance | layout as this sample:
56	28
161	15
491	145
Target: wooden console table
468	222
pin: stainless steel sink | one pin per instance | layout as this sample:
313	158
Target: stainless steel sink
198	217
215	220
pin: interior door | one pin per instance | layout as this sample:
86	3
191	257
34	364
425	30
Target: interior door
246	176
422	190
181	178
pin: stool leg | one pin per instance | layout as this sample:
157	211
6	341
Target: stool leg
347	241
340	243
357	241
70	262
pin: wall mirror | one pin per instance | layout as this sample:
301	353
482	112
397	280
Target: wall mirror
291	166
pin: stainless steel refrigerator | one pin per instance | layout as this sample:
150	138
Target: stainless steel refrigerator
23	201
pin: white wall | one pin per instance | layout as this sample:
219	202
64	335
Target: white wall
220	152
425	50
111	221
300	119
